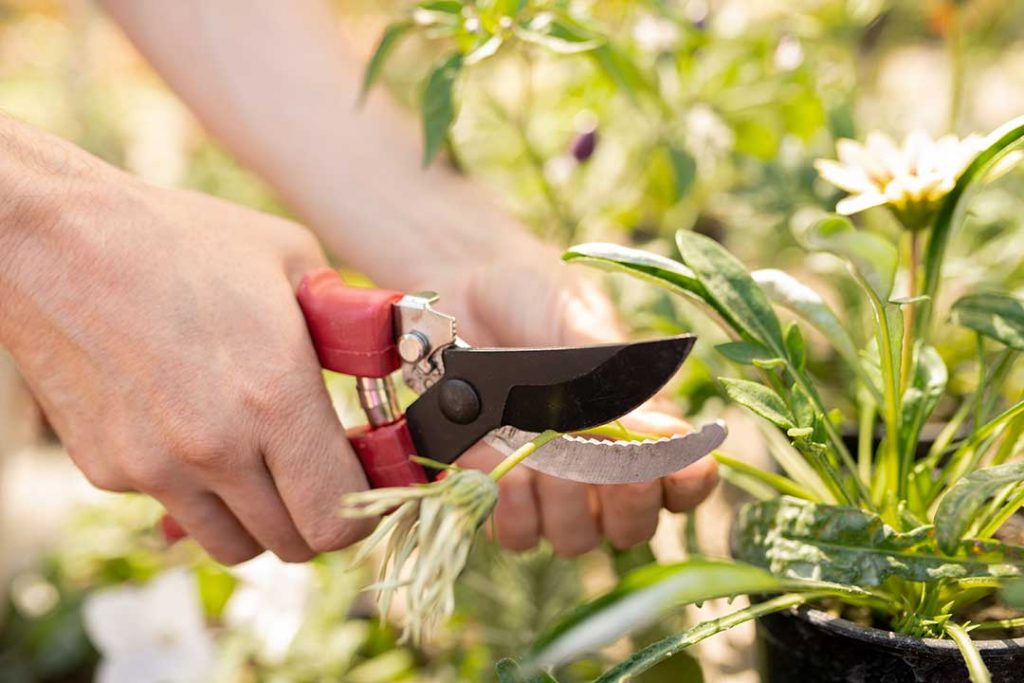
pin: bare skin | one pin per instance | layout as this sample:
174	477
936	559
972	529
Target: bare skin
159	328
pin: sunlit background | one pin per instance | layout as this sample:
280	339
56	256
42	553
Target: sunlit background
751	92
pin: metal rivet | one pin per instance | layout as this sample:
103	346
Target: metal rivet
412	347
459	401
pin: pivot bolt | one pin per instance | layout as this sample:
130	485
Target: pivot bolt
459	401
413	347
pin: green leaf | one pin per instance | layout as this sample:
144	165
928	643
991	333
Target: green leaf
786	291
641	597
1013	595
923	394
995	315
684	170
795	347
1002	142
387	43
438	107
644	265
760	400
873	259
976	668
731	291
959	507
797	539
745	353
559	34
652	655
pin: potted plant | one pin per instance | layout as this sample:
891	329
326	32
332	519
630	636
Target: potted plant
872	564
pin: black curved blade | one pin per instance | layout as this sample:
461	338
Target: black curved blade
565	389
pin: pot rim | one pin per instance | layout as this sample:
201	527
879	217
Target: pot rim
881	637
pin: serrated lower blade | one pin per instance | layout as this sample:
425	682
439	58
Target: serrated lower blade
593	461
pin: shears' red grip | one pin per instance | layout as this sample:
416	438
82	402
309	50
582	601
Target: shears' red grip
352	328
384	453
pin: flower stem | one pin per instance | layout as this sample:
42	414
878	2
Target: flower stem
911	308
522	453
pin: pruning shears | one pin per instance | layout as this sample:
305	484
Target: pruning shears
506	396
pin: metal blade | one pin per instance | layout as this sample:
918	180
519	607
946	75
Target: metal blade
592	461
565	389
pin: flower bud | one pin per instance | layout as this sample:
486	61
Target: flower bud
584	144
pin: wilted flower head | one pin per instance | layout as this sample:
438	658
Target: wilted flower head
437	523
911	179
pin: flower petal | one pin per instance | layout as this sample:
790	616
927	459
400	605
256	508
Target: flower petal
848	178
860	202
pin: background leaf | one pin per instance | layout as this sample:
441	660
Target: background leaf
438	108
959	506
761	400
797	539
873	259
731	291
995	315
387	43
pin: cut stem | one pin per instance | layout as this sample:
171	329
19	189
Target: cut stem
522	453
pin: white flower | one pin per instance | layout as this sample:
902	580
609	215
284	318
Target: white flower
270	602
911	179
656	34
150	634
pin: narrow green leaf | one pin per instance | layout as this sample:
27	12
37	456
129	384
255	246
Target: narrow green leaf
786	291
684	171
644	265
795	347
1001	143
760	400
976	668
438	107
995	315
777	482
745	353
387	43
872	258
509	671
641	597
802	540
923	394
731	291
958	508
559	34
650	656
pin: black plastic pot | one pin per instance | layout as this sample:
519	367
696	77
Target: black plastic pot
810	646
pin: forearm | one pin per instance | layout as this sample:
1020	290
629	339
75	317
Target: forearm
273	82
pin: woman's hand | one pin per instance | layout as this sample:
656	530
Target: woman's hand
160	331
526	297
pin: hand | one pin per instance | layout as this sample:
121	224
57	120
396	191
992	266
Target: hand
160	331
527	297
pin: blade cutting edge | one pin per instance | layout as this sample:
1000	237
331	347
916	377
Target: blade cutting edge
593	461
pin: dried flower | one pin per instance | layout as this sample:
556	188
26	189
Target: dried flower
437	523
911	179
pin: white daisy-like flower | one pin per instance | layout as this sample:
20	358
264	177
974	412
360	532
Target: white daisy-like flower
911	179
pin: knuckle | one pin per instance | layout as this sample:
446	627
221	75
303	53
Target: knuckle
204	451
325	537
149	473
99	473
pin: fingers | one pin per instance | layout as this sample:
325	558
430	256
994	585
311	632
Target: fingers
205	517
312	463
567	515
685	489
255	502
516	518
629	512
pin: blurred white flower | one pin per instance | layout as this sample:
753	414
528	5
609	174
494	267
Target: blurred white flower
656	34
270	603
911	179
789	54
150	634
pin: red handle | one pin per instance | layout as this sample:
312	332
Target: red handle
353	331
